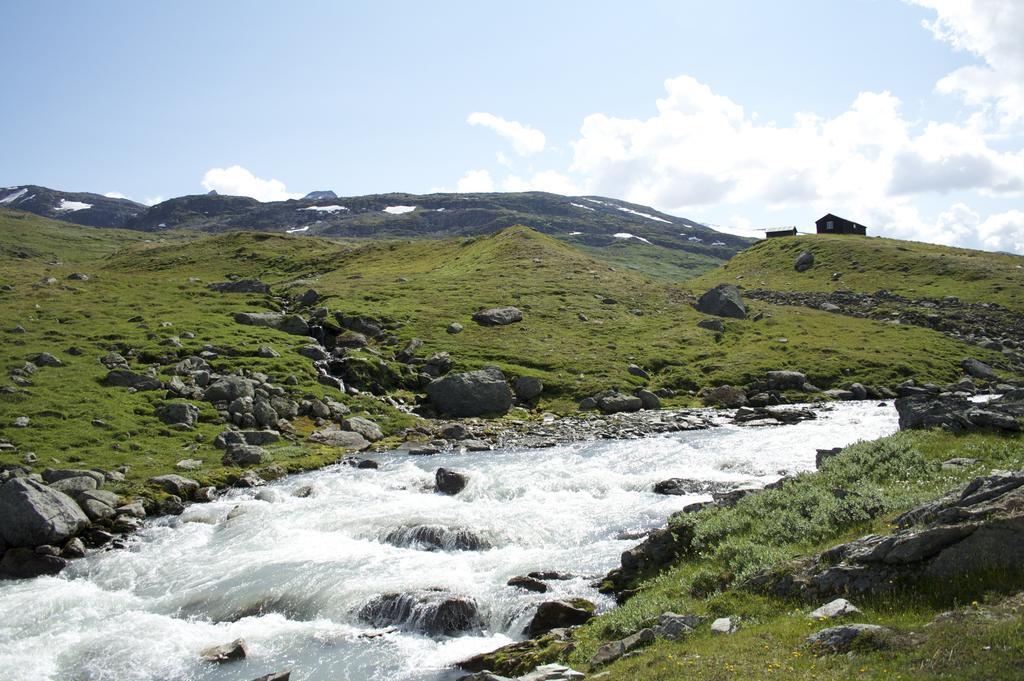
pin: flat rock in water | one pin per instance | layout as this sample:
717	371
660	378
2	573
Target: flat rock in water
236	650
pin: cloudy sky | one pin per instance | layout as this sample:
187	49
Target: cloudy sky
907	116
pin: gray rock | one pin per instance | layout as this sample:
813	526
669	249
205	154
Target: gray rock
236	650
786	380
804	261
179	412
724	625
610	652
528	583
616	402
309	298
843	638
189	464
638	371
32	514
527	388
334	437
552	672
74	486
267	352
723	396
25	563
649	399
435	613
711	325
556	614
275	676
270	320
456	431
473	393
498	316
454	327
51	475
244	455
45	359
723	301
264	414
314	352
125	378
102	496
840	607
449	482
240	286
95	510
978	369
21	422
365	427
229	389
175	484
675	627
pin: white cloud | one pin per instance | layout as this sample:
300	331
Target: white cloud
544	181
475	181
990	30
525	140
237	181
153	200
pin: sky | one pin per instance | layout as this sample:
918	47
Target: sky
904	115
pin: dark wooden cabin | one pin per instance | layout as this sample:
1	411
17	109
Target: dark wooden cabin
833	224
775	233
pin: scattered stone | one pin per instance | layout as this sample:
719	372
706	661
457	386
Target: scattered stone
638	371
527	388
179	413
723	396
454	327
125	378
21	422
616	402
675	627
244	455
978	369
189	464
435	613
240	286
335	437
45	359
648	399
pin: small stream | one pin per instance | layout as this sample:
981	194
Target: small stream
291	576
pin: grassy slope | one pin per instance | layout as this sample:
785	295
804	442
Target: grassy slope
891	474
915	270
424	285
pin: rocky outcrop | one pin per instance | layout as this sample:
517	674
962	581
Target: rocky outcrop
723	396
240	286
474	393
804	261
975	531
723	301
436	538
958	414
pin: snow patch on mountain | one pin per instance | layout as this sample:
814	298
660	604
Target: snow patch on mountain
398	210
66	205
627	235
325	209
14	196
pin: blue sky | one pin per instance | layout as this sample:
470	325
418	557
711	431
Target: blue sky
769	113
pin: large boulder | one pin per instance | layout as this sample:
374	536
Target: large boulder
786	380
32	514
334	437
125	378
723	301
498	316
804	261
723	396
175	484
270	320
365	427
528	388
473	393
978	369
616	402
179	412
25	563
229	389
844	638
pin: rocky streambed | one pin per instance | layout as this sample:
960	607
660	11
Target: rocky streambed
360	573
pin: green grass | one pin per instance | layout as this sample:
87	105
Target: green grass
418	286
911	269
884	477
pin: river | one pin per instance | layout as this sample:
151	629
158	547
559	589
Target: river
291	576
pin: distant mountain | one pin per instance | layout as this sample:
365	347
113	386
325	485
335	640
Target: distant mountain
80	208
628	234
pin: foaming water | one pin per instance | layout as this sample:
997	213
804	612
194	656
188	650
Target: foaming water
292	576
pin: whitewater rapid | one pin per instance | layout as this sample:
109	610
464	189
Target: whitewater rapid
290	576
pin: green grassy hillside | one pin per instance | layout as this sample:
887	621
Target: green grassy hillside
911	269
585	322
